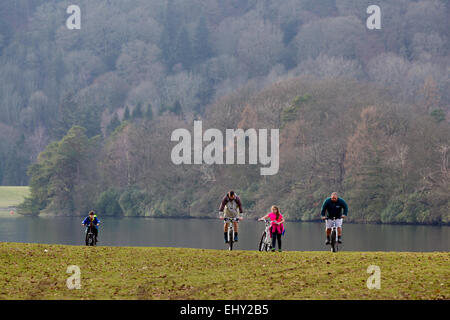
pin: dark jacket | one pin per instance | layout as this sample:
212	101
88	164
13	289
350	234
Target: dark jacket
87	221
226	199
334	209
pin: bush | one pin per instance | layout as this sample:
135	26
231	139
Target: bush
133	202
415	209
108	203
290	113
438	115
29	207
392	211
445	217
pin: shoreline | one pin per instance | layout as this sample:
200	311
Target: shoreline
41	244
5	212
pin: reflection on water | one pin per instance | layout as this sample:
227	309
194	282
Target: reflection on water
208	234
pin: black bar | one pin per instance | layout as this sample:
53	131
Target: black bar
224	309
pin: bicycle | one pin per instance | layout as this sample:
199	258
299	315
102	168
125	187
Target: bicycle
230	234
265	244
334	236
90	236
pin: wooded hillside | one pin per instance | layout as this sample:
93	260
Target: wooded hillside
89	113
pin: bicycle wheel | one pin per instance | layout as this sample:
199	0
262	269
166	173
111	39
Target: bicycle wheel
333	241
268	247
90	240
231	240
262	243
268	243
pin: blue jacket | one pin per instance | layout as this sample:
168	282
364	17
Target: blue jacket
334	209
87	221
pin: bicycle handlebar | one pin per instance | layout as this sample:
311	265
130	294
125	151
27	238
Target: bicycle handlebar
231	219
334	218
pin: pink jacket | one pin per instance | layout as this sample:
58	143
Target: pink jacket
276	227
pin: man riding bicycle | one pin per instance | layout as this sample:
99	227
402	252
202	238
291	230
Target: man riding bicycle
229	209
334	206
92	217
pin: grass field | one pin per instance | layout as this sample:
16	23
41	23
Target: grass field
37	271
12	196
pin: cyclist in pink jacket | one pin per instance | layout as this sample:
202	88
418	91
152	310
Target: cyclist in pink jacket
277	227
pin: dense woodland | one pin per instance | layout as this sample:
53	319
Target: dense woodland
86	115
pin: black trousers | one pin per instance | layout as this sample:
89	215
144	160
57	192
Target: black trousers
276	236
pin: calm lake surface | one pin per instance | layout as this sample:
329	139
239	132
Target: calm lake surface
208	234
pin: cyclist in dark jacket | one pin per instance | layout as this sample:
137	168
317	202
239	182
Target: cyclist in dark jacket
230	207
334	207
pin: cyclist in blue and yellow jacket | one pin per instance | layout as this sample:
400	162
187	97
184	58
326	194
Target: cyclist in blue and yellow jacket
92	217
337	208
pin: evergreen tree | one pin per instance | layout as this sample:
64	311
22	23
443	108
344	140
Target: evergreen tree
67	115
115	122
40	174
205	94
90	119
126	114
57	173
201	46
177	109
183	49
289	29
163	108
149	112
137	111
71	153
169	33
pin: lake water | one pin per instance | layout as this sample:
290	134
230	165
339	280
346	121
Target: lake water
208	234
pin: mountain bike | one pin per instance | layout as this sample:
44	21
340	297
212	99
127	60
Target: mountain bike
90	236
265	244
334	236
230	234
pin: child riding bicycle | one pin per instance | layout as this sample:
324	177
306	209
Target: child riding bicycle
92	218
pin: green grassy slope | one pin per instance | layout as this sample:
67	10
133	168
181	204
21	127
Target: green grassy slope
12	196
27	271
